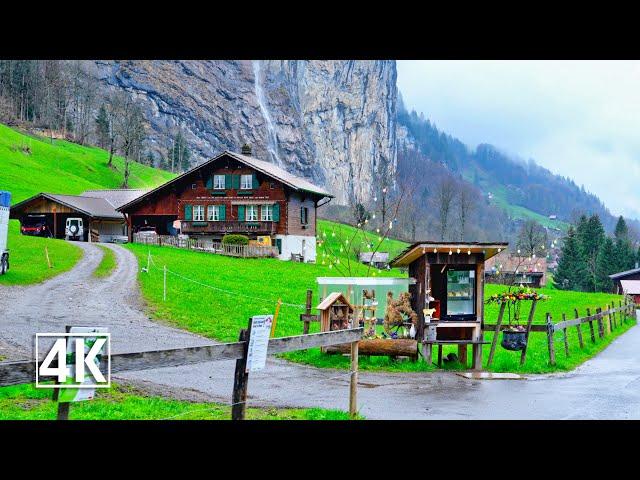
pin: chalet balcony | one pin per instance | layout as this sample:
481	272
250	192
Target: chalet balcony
223	227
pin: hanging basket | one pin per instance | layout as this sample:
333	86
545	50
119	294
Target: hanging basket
513	340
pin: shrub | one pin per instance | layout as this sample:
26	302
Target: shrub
235	239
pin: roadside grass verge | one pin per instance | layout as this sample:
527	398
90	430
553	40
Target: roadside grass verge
246	287
25	402
28	261
107	264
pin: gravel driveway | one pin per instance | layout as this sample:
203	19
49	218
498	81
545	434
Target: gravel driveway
606	387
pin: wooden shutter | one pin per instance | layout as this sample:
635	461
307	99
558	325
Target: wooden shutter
276	212
227	181
188	212
223	212
235	182
210	182
255	180
241	213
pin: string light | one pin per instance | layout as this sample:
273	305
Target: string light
469	252
499	250
450	252
435	250
458	250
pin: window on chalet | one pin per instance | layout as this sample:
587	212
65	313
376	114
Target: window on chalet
246	182
218	182
252	212
215	213
267	213
198	213
304	215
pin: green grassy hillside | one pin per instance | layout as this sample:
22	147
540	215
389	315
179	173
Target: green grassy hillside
29	165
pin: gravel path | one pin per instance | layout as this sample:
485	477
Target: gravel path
606	387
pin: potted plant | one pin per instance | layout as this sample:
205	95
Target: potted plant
514	337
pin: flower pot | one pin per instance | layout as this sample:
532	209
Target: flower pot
513	340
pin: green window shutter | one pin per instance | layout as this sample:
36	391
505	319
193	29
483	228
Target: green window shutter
188	212
255	181
223	212
227	181
235	182
276	212
241	213
210	182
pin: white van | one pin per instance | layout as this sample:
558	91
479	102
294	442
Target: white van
74	229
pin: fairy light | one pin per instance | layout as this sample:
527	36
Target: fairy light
499	250
469	252
435	250
458	250
390	225
450	252
373	216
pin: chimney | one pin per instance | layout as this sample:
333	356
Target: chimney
246	149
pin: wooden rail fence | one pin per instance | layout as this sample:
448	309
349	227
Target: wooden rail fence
202	245
603	322
21	372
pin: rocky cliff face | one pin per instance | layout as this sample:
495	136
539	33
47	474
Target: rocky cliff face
333	122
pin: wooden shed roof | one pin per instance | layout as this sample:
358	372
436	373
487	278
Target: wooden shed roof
413	252
332	298
89	206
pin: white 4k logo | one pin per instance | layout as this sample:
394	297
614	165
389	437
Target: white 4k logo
74	355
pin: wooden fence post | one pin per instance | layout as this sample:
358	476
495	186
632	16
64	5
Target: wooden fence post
46	252
623	315
353	385
307	323
550	330
579	329
63	408
164	285
591	330
496	334
566	338
241	379
523	355
600	323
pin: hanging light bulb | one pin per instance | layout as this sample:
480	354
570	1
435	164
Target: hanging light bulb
450	252
499	250
518	250
377	230
469	252
333	234
373	216
375	199
435	250
390	225
458	250
423	250
379	239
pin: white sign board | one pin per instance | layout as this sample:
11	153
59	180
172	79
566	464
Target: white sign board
259	342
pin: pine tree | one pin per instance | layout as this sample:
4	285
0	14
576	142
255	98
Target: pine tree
570	269
102	127
605	265
590	234
624	257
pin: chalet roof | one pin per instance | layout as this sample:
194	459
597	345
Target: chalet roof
377	257
506	263
273	171
631	287
116	197
412	252
90	206
331	299
617	276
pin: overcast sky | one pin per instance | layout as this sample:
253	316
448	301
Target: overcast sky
579	119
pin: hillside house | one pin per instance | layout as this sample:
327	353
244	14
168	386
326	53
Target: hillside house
239	194
377	259
628	283
509	269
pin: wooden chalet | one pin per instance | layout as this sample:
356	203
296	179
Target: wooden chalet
508	269
627	282
235	194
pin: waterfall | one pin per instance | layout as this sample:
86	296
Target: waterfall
272	140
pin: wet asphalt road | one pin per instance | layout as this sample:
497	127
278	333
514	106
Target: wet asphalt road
606	387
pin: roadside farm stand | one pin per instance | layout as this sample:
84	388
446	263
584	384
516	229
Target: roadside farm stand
448	294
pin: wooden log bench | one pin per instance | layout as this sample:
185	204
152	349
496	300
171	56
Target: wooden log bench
462	351
401	347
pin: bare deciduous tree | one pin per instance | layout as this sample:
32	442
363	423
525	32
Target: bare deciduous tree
445	193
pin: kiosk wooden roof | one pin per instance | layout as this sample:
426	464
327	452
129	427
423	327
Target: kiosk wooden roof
415	251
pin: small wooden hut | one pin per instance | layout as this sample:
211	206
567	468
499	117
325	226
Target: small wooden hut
336	312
